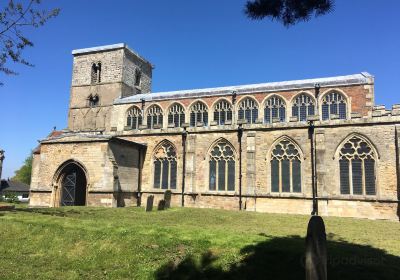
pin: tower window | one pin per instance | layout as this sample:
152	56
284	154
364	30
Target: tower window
96	73
93	100
138	77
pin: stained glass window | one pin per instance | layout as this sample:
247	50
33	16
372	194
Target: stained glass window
222	168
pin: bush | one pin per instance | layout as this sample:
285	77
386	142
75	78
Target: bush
11	197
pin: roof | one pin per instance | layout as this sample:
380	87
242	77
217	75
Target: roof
13	186
109	48
355	79
52	134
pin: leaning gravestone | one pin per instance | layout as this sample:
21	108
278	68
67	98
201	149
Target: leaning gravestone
167	198
316	256
161	205
149	204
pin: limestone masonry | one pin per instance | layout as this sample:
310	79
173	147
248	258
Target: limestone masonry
232	147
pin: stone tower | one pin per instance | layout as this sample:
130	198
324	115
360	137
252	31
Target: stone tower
100	75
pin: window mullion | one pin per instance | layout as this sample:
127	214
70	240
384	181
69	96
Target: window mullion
280	175
351	176
364	191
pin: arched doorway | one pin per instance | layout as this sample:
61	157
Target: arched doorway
73	184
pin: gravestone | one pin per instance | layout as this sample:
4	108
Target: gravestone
316	255
149	204
167	198
161	205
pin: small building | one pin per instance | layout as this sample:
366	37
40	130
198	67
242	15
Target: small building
21	190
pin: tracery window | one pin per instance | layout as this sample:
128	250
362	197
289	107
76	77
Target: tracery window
198	114
165	167
334	103
275	107
222	168
285	168
248	110
303	106
95	76
176	115
154	116
357	168
134	117
222	112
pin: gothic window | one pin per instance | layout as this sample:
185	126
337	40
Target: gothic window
222	112
176	115
198	114
154	116
93	100
275	107
248	110
138	76
303	106
285	168
222	168
357	168
333	103
96	73
165	167
134	117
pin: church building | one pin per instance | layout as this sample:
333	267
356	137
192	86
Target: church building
259	147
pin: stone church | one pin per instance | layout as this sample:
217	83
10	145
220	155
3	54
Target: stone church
260	147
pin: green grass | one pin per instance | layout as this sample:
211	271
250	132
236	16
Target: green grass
128	243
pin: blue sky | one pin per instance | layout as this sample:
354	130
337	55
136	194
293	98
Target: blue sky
194	44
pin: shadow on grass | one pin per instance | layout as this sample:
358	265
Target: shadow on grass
283	258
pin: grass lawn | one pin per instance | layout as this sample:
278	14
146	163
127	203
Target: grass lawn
128	243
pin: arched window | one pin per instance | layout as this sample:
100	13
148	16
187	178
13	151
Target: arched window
96	73
154	116
165	167
357	168
176	115
303	106
222	112
285	168
198	114
134	117
248	110
93	100
275	107
222	168
334	103
138	76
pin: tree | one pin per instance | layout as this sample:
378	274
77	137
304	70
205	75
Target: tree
15	19
23	174
289	12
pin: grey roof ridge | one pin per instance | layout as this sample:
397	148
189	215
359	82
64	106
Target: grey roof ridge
361	78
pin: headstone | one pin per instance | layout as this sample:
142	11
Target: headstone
167	198
316	255
161	205
149	204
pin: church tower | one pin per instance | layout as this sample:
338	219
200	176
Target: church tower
100	75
